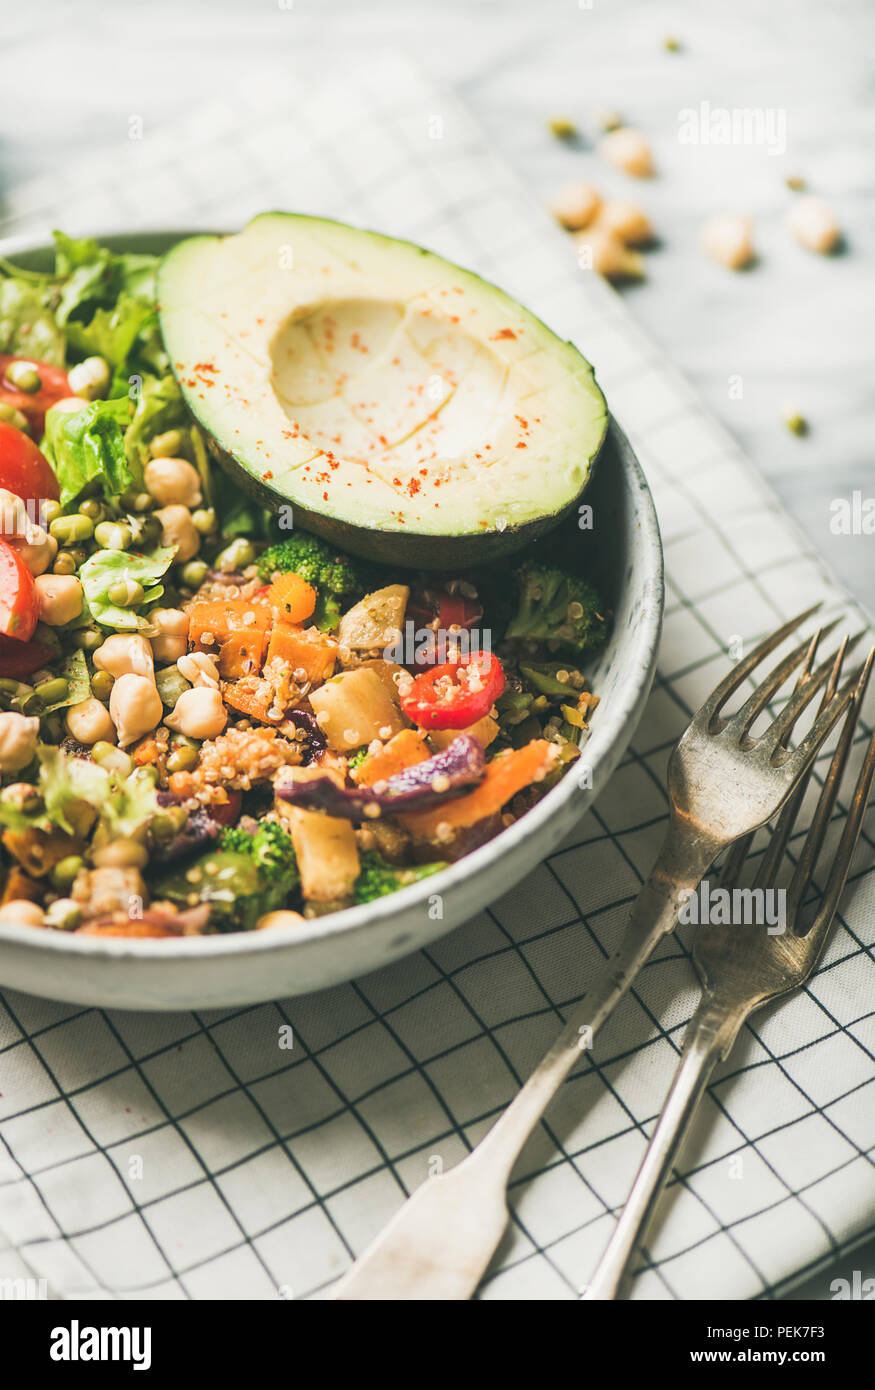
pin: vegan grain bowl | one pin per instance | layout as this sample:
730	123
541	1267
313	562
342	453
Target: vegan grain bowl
301	629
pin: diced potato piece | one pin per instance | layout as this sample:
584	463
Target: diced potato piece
376	620
325	847
387	671
485	730
355	707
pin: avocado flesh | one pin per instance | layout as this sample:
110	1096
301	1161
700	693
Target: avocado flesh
407	409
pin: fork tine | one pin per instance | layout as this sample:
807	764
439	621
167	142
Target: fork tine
768	866
826	802
739	673
755	703
779	731
735	859
805	753
815	938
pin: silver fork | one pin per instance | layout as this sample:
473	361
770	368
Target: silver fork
722	785
742	967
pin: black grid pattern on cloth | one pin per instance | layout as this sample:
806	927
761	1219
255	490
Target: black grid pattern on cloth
187	1155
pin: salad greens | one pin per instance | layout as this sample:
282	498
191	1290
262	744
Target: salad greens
105	568
89	446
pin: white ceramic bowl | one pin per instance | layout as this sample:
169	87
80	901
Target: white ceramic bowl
625	561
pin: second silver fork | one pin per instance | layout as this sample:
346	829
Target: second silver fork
743	966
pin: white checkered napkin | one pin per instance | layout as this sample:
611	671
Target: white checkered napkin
192	1156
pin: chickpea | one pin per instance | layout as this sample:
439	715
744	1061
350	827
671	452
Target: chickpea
199	669
170	635
122	854
90	379
18	736
37	555
628	150
814	225
727	239
69	405
21	910
89	722
199	713
125	654
576	206
13	516
60	598
135	706
173	480
166	445
281	917
605	253
178	529
626	221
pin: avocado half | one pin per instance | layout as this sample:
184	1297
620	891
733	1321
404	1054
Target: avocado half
406	409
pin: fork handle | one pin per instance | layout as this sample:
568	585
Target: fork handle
710	1035
684	858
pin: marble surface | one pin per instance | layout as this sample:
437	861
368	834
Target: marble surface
793	329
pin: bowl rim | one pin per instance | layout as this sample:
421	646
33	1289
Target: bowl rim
643	640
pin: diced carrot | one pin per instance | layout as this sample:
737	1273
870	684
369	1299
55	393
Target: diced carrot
18	886
293	598
506	775
405	749
38	851
302	648
242	653
146	752
214	620
253	699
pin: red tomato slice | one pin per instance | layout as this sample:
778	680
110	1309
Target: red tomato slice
456	694
18	660
19	604
25	471
34	404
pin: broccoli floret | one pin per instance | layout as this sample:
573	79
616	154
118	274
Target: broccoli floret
557	609
334	576
358	758
377	878
313	560
269	848
245	875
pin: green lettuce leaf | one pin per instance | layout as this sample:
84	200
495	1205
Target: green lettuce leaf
106	567
111	333
74	669
89	445
105	299
27	326
160	407
121	804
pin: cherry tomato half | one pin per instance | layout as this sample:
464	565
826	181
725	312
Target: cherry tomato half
25	471
456	694
18	660
34	404
19	604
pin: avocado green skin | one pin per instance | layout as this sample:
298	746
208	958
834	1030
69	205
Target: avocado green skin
410	550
